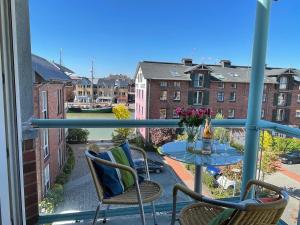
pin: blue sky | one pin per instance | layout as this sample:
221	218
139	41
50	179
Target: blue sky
117	34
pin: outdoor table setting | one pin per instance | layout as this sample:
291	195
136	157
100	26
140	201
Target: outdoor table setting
200	149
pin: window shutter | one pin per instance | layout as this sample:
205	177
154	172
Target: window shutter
192	78
274	115
290	83
287	115
276	86
190	98
289	99
275	100
206	98
207	80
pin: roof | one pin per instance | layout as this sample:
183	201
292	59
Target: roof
179	71
109	82
47	70
64	69
164	70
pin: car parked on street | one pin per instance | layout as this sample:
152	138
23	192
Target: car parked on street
154	166
290	157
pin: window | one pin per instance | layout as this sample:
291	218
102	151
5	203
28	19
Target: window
177	96
198	80
298	113
142	94
283	83
232	96
298	98
46	178
142	110
264	97
59	101
88	93
231	113
59	157
280	115
176	84
220	85
198	97
281	99
46	142
175	116
79	92
45	104
220	96
163	95
262	113
220	111
164	84
162	113
233	85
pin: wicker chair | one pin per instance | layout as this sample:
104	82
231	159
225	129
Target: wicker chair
145	192
245	213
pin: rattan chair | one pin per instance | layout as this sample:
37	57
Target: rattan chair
203	212
144	192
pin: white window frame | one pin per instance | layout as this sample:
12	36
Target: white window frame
231	113
280	117
234	96
222	99
164	84
46	178
165	113
175	115
282	98
298	98
283	83
262	115
264	97
298	113
163	95
45	143
176	83
198	100
177	96
221	85
44	104
198	80
233	85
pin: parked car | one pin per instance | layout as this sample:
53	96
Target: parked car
214	171
290	158
154	166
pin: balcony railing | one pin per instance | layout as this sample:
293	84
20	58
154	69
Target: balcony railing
154	123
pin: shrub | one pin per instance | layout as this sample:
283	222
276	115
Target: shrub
77	135
159	136
54	196
64	175
121	112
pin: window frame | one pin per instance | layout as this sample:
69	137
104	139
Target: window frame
45	142
282	115
177	84
176	95
163	95
198	80
297	111
283	85
163	84
220	92
44	96
47	183
160	113
197	102
234	96
231	117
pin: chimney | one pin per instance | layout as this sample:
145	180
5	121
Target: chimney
225	63
187	62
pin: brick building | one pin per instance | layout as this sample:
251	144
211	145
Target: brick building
48	97
161	87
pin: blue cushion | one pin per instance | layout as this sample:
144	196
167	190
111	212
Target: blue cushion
125	146
108	176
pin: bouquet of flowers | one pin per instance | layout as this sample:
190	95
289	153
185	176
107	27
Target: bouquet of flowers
191	119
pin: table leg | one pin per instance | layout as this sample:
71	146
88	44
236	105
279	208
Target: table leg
198	179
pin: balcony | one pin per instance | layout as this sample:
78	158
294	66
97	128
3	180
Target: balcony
81	200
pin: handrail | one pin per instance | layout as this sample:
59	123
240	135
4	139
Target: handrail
155	123
101	123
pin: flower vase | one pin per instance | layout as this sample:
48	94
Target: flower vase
192	136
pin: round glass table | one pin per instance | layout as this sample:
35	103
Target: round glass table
221	155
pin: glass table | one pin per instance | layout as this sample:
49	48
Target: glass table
221	156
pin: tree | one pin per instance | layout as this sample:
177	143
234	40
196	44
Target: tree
121	112
221	133
78	135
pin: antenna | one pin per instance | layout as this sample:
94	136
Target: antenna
60	56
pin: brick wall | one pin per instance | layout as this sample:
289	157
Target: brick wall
54	141
30	182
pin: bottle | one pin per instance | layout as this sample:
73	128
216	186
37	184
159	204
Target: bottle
207	138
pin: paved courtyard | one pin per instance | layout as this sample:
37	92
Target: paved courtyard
79	191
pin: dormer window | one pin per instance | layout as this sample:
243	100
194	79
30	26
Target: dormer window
198	80
283	83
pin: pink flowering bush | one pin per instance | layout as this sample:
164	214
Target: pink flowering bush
192	117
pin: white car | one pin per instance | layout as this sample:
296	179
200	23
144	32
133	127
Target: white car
226	183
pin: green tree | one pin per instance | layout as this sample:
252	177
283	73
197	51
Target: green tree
221	133
121	112
77	135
